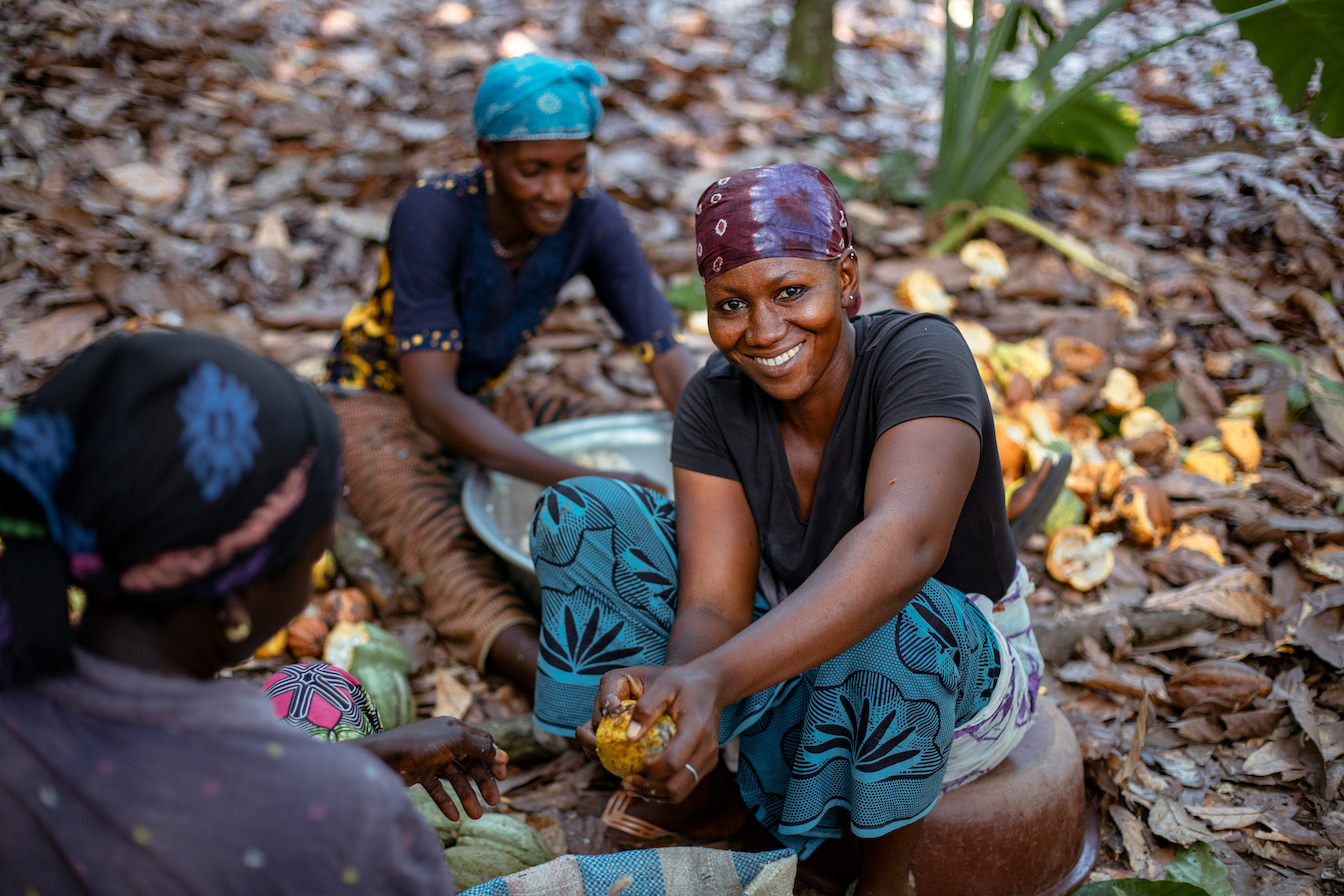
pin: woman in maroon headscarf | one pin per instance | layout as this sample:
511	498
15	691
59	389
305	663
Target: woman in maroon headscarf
840	541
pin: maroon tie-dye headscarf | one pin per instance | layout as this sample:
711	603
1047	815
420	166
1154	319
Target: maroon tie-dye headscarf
779	211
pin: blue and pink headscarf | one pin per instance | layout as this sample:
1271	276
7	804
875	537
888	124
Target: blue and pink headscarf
779	211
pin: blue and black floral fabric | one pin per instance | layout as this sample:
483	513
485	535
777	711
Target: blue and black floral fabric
861	739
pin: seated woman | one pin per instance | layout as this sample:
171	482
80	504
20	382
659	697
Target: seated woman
824	588
473	266
187	487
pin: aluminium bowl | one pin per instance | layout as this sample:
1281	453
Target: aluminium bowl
499	507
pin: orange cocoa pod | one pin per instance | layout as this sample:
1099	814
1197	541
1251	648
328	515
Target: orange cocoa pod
307	634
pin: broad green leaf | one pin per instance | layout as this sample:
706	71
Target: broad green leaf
1006	192
1164	400
965	170
1196	865
687	294
1094	125
1292	41
1135	887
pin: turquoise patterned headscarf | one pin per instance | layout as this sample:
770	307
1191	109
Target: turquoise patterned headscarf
537	98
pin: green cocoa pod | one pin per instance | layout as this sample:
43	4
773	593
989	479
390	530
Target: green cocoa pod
472	865
383	647
386	687
445	827
495	830
1068	511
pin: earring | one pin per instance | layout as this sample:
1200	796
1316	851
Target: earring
489	182
237	623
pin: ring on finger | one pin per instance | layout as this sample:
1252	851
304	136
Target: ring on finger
694	774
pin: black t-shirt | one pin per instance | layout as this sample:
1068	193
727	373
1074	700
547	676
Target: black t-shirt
906	366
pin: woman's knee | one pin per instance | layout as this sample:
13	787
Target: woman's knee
584	501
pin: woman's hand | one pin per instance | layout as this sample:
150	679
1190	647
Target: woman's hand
423	752
686	693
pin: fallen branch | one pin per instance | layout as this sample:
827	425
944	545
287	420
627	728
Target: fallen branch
1062	243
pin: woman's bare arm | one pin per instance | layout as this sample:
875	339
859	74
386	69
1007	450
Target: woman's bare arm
718	557
671	371
468	428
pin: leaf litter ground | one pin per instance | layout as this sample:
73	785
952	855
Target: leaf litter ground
232	167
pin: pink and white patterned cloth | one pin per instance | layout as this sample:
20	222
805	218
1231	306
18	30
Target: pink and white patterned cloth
779	211
991	734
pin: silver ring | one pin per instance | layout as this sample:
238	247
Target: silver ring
694	774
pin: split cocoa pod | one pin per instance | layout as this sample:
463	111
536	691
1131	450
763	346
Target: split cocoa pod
346	605
1141	510
622	756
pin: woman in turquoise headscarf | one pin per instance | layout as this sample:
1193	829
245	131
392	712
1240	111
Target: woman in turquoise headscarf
473	265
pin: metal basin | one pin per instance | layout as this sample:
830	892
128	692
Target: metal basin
499	507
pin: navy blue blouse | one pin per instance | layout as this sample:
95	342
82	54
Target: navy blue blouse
441	287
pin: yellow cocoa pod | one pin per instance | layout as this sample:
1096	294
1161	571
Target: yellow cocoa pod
625	757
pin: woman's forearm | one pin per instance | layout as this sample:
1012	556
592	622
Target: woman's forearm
871	575
671	371
697	631
470	430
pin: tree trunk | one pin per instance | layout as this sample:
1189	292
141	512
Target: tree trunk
810	60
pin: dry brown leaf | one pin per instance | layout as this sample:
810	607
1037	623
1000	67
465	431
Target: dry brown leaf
1274	758
1132	759
1217	686
1226	818
1169	820
1238	594
1253	723
55	335
149	183
1285	830
1326	562
451	696
1131	835
1291	687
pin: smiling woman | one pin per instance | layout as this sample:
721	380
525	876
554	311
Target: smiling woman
473	266
824	588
